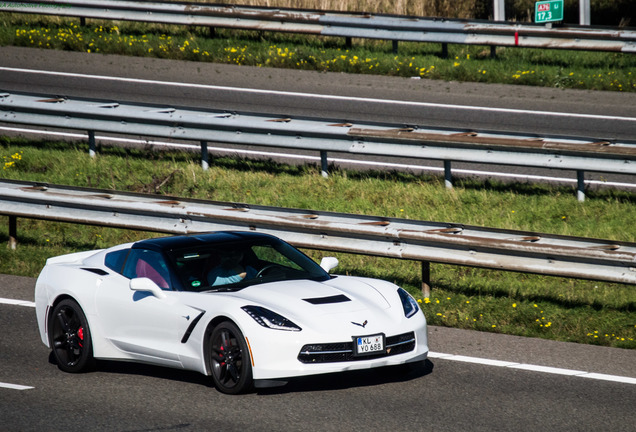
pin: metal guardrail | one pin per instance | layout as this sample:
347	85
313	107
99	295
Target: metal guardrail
367	235
321	135
348	25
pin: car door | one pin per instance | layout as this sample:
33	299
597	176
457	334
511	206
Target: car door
147	326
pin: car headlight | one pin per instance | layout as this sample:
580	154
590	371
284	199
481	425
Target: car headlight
409	304
269	319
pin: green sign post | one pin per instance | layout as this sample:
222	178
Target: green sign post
548	11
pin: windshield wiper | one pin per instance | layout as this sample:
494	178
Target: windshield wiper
223	289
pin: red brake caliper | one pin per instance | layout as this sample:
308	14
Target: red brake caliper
80	334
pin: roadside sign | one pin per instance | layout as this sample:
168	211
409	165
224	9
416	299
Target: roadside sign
548	11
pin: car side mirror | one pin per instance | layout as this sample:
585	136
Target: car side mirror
147	285
329	263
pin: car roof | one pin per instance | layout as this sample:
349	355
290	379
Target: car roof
193	240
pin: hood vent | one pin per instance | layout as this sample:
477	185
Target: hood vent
327	300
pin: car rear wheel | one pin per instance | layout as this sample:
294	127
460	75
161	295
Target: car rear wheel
230	359
70	337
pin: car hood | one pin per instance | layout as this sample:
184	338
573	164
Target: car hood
341	293
336	301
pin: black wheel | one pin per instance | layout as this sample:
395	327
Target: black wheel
230	359
70	337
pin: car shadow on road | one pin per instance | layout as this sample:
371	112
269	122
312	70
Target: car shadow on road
312	383
359	378
142	369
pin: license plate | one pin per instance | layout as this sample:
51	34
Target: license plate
366	345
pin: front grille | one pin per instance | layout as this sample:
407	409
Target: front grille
343	351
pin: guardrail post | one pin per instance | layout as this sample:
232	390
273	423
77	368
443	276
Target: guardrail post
204	155
500	10
444	50
82	22
499	15
348	42
448	175
212	32
395	47
585	15
91	144
580	185
324	164
426	279
13	232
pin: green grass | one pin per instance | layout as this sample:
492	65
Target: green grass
534	67
488	300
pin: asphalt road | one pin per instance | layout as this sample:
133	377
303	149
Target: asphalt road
444	395
452	95
342	97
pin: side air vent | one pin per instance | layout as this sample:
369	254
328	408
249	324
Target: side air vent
327	300
96	271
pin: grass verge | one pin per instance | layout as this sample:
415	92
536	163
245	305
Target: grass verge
520	304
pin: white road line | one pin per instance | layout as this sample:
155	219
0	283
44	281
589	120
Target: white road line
533	368
16	302
15	386
319	96
380	165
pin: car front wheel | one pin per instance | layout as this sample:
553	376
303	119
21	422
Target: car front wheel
70	337
230	359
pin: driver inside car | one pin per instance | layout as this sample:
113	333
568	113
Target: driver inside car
231	270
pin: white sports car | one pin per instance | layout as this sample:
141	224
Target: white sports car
246	308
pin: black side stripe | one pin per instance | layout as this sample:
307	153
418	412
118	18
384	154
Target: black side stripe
190	328
96	271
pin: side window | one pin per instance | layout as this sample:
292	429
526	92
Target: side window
147	263
115	260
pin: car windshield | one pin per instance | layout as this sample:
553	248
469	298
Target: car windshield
232	266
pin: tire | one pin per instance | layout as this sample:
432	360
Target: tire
70	337
230	361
